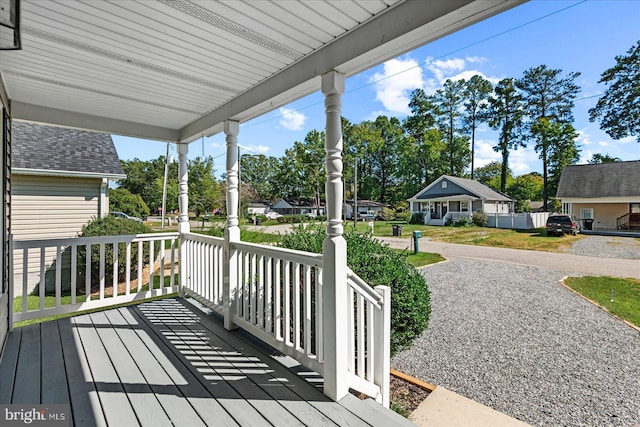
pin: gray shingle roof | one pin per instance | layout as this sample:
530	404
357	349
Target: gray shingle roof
59	149
620	179
478	188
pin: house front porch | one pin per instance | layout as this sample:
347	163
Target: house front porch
166	362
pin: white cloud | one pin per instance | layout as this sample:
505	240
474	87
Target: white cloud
520	160
217	145
394	85
627	139
292	119
254	148
453	69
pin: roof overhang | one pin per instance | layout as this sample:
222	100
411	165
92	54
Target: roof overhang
175	70
600	200
452	198
66	174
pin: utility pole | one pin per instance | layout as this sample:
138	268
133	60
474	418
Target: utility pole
355	193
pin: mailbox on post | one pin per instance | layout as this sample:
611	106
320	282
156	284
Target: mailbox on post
416	236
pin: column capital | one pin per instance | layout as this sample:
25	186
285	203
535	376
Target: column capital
231	127
332	83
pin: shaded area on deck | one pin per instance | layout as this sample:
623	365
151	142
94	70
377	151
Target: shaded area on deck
164	363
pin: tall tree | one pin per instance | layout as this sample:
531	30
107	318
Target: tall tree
526	188
598	158
548	97
505	114
384	151
618	109
476	93
258	171
448	101
420	154
204	190
490	174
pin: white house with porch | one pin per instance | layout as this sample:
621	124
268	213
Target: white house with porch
451	198
178	70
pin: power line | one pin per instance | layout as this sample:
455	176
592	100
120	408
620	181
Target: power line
434	59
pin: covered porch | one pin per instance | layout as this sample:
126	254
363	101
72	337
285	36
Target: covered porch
440	210
177	71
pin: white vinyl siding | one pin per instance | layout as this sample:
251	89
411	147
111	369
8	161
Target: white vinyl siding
52	207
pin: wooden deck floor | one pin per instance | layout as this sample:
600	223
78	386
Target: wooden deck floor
165	363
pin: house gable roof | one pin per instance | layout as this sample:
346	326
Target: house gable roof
461	186
56	150
619	179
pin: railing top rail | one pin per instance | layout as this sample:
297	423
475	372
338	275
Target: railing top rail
122	238
204	238
284	253
367	291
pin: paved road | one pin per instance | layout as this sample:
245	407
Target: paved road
569	263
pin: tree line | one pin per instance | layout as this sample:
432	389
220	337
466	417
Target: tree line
393	159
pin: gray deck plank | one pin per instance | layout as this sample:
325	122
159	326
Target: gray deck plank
200	399
235	404
8	365
85	403
246	379
280	386
26	388
116	406
143	401
54	377
178	409
333	410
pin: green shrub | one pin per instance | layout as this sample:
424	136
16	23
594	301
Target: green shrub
111	226
122	200
417	218
378	264
462	222
479	218
292	219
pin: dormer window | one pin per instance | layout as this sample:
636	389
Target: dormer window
444	184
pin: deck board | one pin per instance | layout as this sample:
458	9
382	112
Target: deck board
163	363
8	365
26	388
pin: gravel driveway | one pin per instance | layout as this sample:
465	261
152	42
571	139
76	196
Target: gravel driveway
607	247
512	338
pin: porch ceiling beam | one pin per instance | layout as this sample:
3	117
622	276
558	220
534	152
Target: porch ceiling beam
40	114
402	28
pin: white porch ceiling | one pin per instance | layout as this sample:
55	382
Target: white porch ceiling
176	69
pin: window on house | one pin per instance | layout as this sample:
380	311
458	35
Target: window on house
444	184
634	208
464	206
586	213
566	208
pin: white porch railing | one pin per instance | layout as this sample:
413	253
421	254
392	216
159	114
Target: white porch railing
61	271
279	300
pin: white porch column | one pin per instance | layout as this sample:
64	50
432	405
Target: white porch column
334	249
232	231
183	188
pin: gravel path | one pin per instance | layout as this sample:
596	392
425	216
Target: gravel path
512	338
607	247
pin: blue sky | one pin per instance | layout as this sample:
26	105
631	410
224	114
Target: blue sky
582	36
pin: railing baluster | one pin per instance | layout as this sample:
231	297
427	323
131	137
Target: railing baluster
42	278
127	273
350	329
152	260
25	278
74	272
253	300
115	271
277	310
268	290
370	344
102	271
246	285
87	282
319	332
287	302
172	281
296	305
361	334
260	293
140	259
58	274
307	310
162	266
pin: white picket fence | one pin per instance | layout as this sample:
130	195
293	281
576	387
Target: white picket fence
518	221
279	300
67	283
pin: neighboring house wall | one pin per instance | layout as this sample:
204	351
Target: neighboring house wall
493	207
604	214
53	207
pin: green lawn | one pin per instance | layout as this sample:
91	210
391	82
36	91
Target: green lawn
626	294
481	236
422	259
33	302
